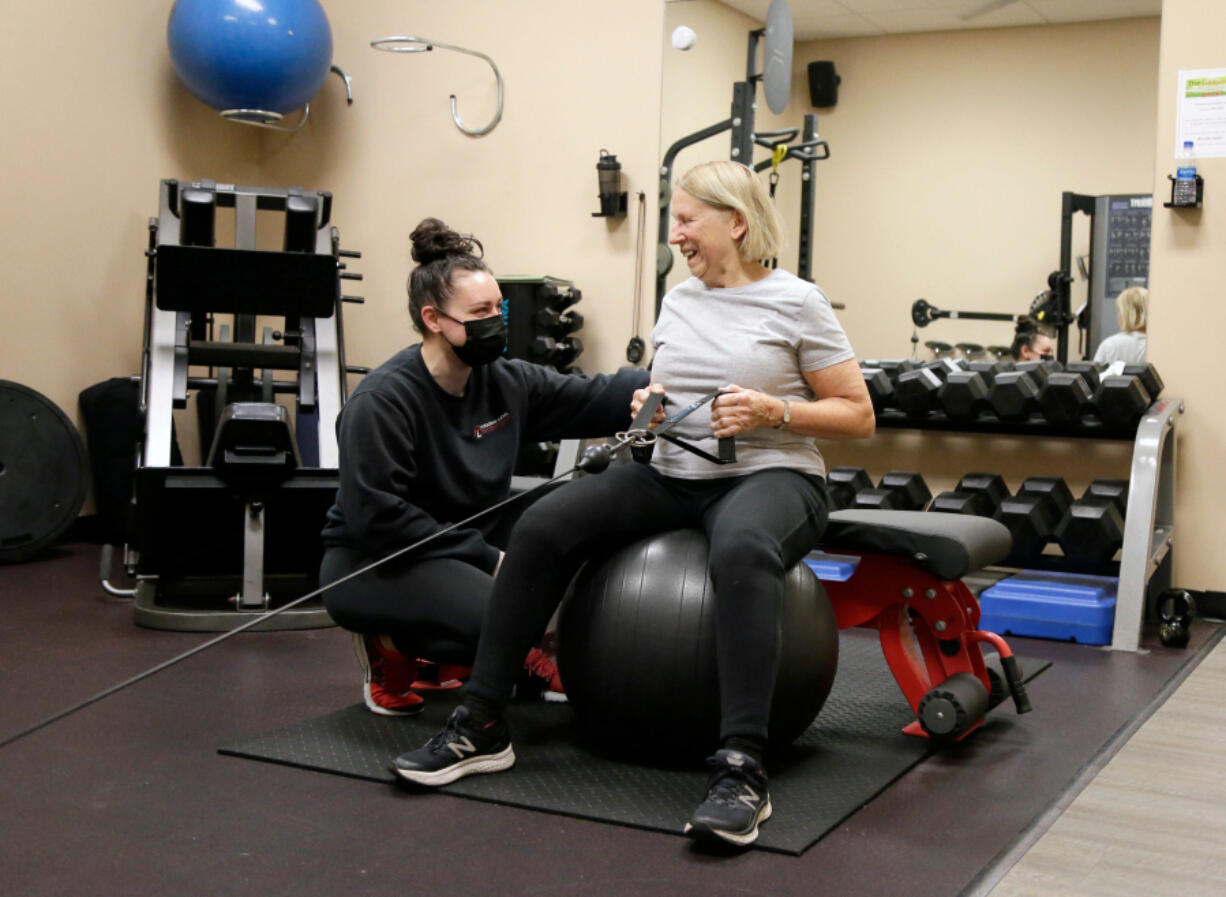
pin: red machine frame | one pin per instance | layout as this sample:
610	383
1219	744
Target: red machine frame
928	628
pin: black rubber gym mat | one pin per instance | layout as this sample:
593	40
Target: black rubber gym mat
853	751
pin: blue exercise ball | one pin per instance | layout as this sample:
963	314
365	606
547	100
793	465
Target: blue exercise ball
250	54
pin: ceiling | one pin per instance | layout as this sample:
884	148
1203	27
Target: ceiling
825	19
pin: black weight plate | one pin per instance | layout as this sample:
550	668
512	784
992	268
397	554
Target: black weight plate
43	472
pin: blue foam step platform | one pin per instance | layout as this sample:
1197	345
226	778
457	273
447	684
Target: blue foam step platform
832	567
1072	607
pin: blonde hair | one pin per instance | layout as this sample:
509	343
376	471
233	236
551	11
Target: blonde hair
735	187
1131	307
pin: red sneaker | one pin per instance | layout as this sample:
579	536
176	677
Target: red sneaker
433	676
388	678
541	676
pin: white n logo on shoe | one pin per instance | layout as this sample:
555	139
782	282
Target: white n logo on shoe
462	747
749	798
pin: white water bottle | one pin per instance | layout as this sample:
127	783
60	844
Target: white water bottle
1185	177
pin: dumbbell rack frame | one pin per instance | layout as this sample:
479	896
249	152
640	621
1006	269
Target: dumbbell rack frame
1149	524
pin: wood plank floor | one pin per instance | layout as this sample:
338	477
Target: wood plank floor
1153	821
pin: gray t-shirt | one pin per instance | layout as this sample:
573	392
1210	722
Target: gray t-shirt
1127	347
761	336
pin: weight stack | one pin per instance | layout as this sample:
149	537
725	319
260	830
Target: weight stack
542	322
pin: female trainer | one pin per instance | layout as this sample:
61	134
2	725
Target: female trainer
429	438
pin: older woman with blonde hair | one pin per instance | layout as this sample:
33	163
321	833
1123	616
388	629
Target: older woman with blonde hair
1131	307
788	377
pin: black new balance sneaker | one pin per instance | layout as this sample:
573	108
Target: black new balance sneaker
736	802
460	749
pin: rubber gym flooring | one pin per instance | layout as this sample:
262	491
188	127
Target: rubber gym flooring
130	796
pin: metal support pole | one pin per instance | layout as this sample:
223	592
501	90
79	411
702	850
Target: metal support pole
808	178
253	596
1070	203
742	122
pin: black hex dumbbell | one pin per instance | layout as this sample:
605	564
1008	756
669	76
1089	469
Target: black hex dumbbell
1116	490
964	396
989	369
842	484
913	493
1092	529
880	388
877	499
1065	398
1040	370
1014	395
895	367
1148	375
569	348
1033	515
977	504
991	485
1120	402
916	391
1090	370
1055	487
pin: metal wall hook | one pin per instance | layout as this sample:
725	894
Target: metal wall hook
344	76
407	44
265	118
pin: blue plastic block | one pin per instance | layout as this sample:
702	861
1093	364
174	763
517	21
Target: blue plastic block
1052	605
832	567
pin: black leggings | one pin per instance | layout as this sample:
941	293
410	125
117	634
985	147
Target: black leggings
759	526
430	608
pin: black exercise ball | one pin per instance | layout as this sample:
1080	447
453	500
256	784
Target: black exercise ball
636	650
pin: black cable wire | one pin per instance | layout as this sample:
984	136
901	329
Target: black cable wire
257	620
595	459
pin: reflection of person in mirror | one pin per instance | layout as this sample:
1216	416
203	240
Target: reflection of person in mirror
1033	341
1131	307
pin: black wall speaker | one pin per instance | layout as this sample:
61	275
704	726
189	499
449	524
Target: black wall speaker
823	84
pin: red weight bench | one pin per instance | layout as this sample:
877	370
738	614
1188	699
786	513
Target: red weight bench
907	584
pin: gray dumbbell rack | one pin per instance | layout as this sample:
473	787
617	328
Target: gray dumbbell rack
181	585
1149	525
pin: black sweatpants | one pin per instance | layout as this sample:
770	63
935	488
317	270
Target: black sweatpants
430	608
759	526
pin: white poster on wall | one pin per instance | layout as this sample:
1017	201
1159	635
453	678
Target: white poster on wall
1201	113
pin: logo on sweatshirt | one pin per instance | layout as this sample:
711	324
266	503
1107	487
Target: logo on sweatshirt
490	426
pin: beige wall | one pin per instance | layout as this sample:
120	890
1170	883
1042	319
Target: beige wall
573	87
949	152
1187	268
96	118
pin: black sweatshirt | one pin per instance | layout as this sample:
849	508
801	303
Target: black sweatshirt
414	458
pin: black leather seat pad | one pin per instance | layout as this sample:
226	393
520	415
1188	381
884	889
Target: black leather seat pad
946	545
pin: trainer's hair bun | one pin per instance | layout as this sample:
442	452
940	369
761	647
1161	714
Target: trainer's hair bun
434	240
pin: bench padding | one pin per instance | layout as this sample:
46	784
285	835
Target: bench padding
946	545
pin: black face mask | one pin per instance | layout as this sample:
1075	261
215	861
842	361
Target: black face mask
485	340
